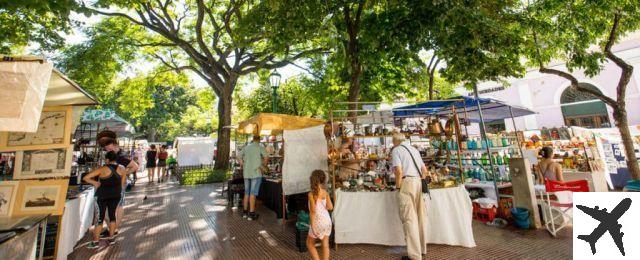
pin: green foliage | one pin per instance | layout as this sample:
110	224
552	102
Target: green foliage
204	175
96	63
296	96
150	101
575	32
43	22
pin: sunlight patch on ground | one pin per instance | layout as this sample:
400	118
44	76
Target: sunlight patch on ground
266	236
214	208
162	227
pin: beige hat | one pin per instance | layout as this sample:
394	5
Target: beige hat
398	137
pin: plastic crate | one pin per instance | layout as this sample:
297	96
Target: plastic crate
484	215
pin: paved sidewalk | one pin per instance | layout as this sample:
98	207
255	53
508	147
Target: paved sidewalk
193	222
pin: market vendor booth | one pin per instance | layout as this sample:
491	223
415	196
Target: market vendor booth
286	177
41	109
366	209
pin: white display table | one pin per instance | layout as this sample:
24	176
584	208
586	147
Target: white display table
373	218
76	220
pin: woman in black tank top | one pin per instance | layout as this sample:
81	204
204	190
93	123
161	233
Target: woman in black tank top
108	181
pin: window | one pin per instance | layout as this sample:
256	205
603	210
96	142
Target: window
577	112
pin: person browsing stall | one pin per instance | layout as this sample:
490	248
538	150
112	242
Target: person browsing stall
122	159
252	157
108	180
409	169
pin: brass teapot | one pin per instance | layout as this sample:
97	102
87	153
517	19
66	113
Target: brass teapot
435	127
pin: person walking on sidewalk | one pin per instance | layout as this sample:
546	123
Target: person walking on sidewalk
319	217
109	183
252	157
409	168
162	163
151	162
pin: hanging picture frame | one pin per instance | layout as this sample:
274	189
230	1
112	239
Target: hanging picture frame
54	131
41	164
36	197
8	193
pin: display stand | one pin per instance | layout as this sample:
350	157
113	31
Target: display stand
40	177
272	126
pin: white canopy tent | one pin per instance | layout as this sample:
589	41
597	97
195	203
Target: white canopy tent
194	150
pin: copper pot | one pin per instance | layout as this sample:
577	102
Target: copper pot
435	127
449	127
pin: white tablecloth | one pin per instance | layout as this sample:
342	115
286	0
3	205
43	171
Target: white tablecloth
373	218
76	220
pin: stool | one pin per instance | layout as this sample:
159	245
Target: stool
482	214
235	187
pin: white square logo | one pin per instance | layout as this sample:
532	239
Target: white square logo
606	224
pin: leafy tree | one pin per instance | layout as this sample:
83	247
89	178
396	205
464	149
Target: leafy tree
34	21
150	101
96	63
221	41
296	96
582	34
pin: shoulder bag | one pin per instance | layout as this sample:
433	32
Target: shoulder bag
425	181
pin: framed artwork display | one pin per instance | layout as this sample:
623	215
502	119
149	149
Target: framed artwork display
40	164
8	192
41	197
54	131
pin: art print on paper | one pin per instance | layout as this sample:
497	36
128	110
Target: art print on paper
8	191
51	130
39	198
38	164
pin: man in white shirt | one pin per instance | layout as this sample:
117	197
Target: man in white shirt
409	168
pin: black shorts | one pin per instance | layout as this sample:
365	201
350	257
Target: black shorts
151	164
107	205
162	163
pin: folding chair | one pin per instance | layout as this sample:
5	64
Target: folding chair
553	224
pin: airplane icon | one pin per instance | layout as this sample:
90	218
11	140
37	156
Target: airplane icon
608	222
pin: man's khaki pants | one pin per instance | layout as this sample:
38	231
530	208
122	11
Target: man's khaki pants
413	214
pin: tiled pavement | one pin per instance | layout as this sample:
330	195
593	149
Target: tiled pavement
193	222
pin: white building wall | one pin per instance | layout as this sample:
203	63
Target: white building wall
541	92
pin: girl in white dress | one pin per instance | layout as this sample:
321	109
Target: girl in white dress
319	206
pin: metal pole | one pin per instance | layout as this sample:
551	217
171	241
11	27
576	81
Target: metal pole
43	235
483	136
515	130
274	102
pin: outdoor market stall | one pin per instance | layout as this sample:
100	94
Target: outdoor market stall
287	179
192	151
42	108
93	122
366	209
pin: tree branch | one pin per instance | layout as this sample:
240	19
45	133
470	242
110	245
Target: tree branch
575	84
627	69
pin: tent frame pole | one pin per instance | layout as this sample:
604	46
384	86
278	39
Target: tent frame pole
485	140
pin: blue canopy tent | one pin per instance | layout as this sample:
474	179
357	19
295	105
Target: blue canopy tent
466	107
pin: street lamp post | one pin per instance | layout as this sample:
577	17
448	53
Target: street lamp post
274	82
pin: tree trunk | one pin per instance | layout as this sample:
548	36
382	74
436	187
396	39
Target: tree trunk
224	132
354	86
620	115
431	86
152	132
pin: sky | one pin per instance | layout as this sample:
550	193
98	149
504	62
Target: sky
77	36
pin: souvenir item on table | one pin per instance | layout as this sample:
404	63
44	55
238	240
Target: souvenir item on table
353	182
345	184
328	130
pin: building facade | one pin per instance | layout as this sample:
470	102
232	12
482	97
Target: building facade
558	105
